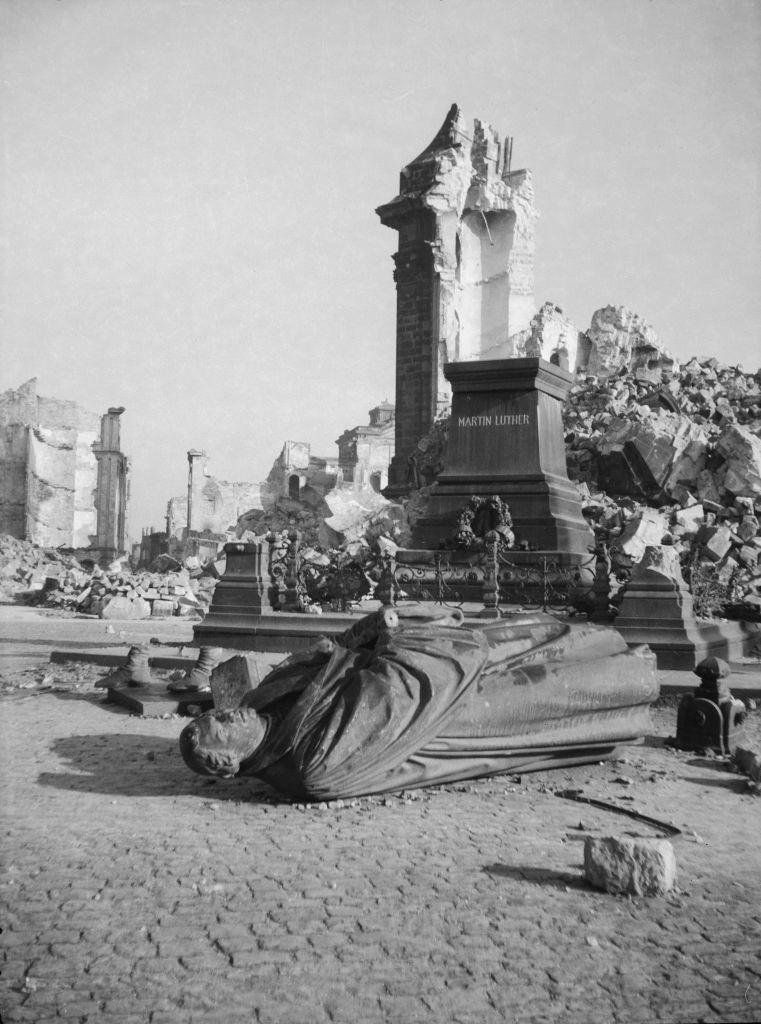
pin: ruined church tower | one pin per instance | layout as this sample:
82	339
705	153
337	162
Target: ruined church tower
464	269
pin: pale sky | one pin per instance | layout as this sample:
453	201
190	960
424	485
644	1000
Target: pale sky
189	193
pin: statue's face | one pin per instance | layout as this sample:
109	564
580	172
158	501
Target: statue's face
217	741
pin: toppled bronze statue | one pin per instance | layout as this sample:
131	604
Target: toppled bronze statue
415	696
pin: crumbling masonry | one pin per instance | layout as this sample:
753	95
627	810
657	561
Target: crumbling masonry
64	476
464	270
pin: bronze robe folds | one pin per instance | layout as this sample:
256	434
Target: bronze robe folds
429	702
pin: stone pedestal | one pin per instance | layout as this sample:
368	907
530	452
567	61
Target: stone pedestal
243	613
506	438
657	611
242	595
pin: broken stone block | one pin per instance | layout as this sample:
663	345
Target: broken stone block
690	519
643	530
749	763
747	528
119	607
716	543
162	609
742	451
663	559
748	555
551	336
629	865
744	506
681	495
670	447
708	485
232	680
618	339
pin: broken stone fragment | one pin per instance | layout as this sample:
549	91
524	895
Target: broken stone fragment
749	763
232	680
742	451
641	531
717	541
689	519
618	339
120	607
629	865
747	528
660	558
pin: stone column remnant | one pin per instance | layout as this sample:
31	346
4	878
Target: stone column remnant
112	491
464	270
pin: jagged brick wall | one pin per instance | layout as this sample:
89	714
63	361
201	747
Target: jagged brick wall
416	351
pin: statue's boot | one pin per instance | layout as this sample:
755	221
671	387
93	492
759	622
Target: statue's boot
199	677
135	672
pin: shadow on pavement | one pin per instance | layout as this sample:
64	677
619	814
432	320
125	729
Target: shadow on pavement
536	876
731	782
655	741
134	765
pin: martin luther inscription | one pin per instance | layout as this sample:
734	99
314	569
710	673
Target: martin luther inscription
506	420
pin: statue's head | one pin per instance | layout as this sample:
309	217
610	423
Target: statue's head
217	742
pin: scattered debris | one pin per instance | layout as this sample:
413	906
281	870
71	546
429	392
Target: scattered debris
578	796
55	579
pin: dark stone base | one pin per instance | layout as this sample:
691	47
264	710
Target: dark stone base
658	612
275	631
546	511
155	700
682	647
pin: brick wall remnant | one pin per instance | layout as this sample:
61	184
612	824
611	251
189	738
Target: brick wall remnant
202	520
464	269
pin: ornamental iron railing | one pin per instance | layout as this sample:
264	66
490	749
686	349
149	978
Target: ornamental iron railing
492	577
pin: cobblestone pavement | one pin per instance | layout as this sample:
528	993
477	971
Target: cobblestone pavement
133	891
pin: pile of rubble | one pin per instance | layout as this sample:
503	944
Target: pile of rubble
662	454
285	515
25	567
55	580
692	437
677	462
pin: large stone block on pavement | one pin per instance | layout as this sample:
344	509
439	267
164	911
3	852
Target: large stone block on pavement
119	607
162	609
639	867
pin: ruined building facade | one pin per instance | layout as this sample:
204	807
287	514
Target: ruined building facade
365	452
464	269
202	520
64	477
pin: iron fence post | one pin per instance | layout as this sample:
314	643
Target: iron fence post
490	597
291	603
385	589
601	585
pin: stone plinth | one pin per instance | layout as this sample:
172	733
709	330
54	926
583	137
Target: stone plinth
657	610
506	438
242	615
245	590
